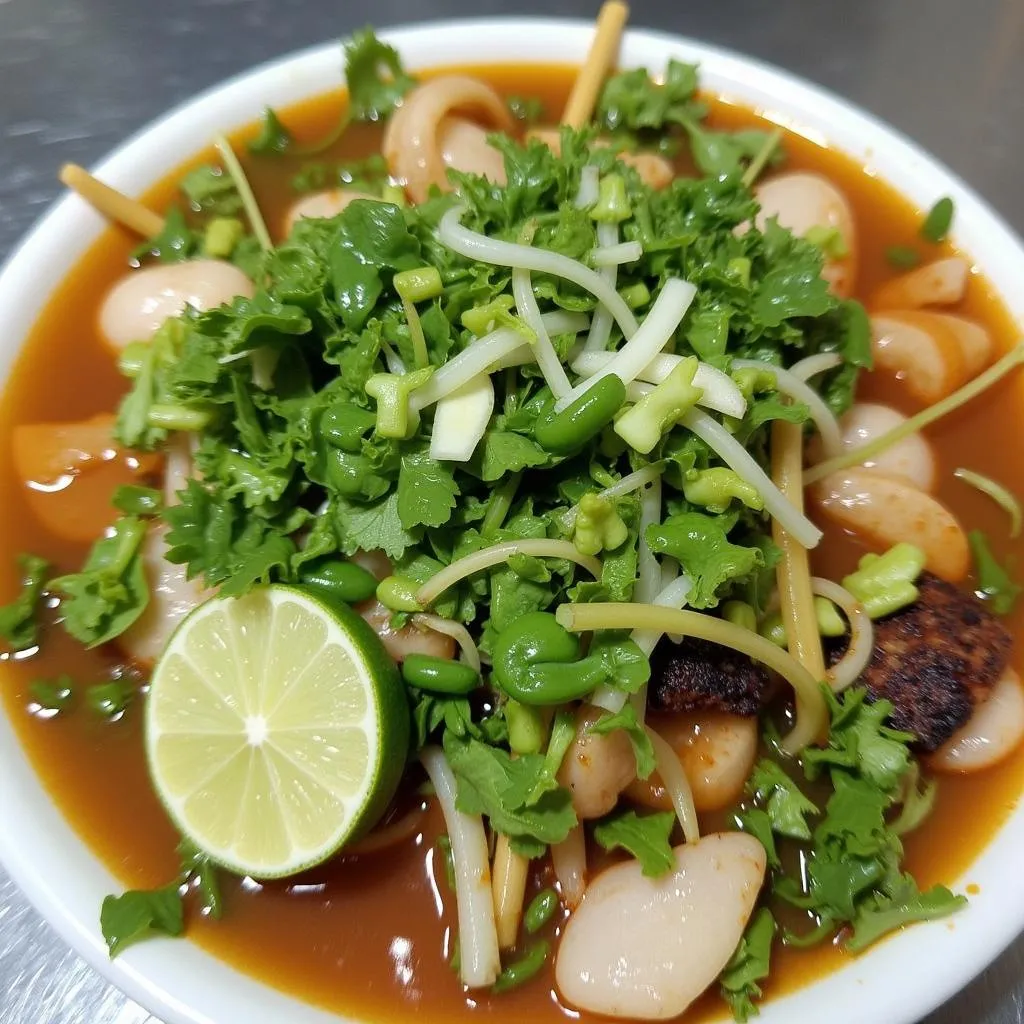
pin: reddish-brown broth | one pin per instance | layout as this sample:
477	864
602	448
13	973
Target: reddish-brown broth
370	936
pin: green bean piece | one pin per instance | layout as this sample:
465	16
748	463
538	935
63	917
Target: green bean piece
439	675
398	594
526	728
540	910
830	622
527	656
567	431
739	613
345	580
526	967
612	203
773	629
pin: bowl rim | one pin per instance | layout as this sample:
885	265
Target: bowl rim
898	983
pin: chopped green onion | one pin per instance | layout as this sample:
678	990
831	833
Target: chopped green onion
598	527
1001	495
739	613
481	320
904	257
642	426
829	239
830	622
612	202
636	295
395	417
221	236
133	358
394	194
885	583
715	488
419	284
939	220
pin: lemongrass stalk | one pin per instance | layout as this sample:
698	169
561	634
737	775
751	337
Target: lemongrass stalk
497	554
925	418
811	713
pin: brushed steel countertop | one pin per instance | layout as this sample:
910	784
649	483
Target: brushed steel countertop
78	76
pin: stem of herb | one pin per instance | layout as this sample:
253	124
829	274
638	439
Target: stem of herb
252	210
499	507
764	154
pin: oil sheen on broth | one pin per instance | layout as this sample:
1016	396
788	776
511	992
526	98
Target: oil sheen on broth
371	936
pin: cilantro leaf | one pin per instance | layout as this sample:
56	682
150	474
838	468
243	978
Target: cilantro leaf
703	549
503	451
368	527
786	805
757	822
375	77
211	190
646	837
995	585
136	915
643	748
750	964
426	491
886	912
110	592
18	623
633	100
273	136
490	782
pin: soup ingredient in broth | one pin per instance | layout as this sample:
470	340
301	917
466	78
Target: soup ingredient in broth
496	450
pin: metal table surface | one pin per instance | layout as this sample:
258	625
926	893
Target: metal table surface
77	76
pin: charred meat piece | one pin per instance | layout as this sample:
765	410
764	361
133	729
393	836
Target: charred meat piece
936	660
696	675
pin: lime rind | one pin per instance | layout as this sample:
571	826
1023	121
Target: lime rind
277	729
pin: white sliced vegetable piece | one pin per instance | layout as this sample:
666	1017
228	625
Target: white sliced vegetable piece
909	459
720	392
646	948
940	283
993	732
460	420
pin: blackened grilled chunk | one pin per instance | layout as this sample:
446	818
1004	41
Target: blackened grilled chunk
696	675
936	660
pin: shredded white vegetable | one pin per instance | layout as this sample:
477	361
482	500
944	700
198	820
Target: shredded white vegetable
862	634
648	569
392	359
483	356
653	335
457	631
615	255
738	459
480	959
798	390
811	366
720	391
482	249
676	785
460	420
590	187
544	351
569	859
601	328
495	555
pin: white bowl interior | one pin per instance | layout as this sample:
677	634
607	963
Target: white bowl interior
897	982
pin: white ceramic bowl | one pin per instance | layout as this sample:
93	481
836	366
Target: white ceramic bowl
898	982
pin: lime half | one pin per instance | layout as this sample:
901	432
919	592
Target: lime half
276	729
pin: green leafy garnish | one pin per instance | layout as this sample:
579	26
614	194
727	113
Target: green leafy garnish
110	592
995	585
903	257
110	699
936	225
750	964
273	136
19	624
645	836
136	915
53	694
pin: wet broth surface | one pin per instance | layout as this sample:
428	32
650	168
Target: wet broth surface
370	936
